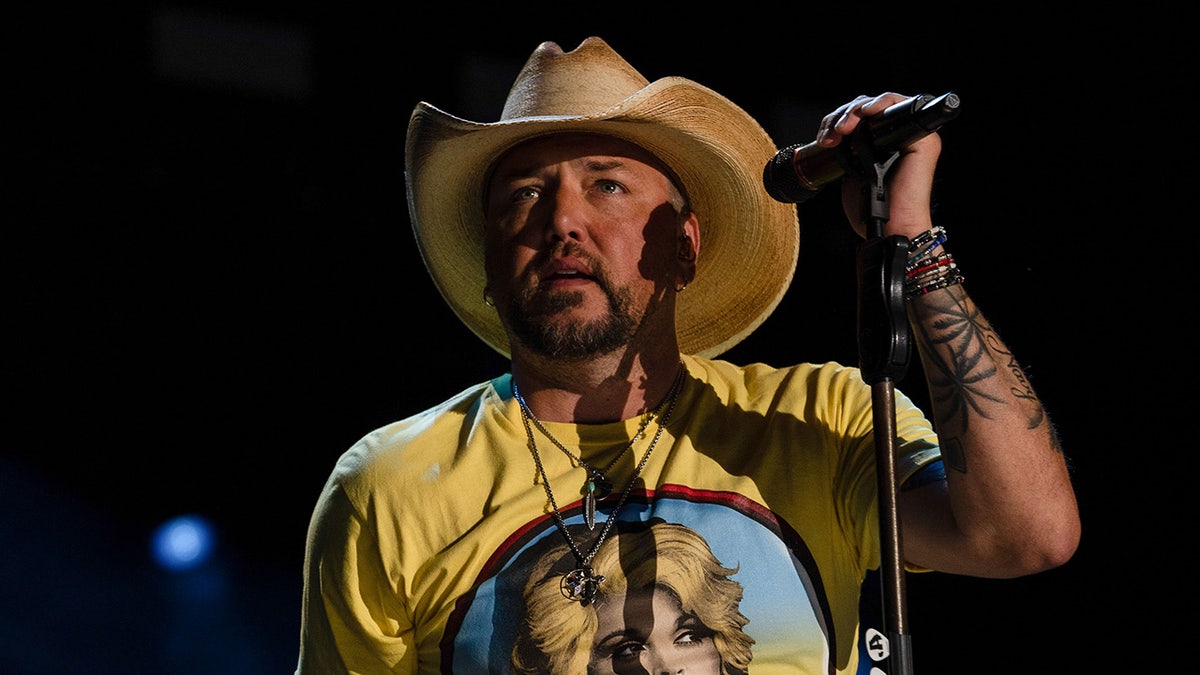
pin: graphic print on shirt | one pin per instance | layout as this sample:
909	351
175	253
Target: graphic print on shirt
701	580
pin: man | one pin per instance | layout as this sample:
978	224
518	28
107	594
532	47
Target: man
613	236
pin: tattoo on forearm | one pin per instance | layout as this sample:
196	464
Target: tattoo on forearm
961	351
1023	390
956	359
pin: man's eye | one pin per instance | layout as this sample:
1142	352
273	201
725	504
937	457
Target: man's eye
525	193
609	186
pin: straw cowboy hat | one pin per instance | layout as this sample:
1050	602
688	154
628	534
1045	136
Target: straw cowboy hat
750	242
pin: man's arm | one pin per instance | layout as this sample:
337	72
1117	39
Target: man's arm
1007	506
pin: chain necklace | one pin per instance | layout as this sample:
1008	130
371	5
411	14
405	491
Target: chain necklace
582	583
597	484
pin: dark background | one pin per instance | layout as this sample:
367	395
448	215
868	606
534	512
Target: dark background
212	291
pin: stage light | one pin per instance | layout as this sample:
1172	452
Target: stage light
183	543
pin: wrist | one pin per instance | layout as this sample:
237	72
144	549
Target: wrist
929	266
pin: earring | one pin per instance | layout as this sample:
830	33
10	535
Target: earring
487	298
679	289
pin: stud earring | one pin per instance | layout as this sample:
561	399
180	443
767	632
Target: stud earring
487	298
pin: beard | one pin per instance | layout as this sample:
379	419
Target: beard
574	340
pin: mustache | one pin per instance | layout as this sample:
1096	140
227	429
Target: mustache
566	249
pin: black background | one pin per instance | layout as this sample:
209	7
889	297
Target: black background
212	291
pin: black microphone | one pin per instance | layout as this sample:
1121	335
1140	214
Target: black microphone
798	172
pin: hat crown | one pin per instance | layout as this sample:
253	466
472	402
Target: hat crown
589	79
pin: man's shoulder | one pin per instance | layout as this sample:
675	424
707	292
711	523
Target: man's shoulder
403	437
758	374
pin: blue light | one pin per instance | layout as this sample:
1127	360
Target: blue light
183	543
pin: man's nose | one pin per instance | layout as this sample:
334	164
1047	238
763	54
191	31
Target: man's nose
569	214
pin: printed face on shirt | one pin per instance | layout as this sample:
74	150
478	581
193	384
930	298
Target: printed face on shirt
582	235
648	632
665	603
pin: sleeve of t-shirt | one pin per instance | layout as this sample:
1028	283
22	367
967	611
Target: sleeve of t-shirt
352	620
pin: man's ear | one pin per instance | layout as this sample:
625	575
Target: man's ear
687	250
689	239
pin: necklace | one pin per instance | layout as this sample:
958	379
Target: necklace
597	484
582	583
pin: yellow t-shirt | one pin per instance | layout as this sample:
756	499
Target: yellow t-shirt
430	529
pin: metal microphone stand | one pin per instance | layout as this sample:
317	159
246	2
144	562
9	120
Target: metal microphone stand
884	347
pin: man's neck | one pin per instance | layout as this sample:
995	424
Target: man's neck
607	388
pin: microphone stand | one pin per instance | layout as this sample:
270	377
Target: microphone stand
884	346
793	175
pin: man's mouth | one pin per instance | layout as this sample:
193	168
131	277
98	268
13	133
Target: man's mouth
567	279
566	271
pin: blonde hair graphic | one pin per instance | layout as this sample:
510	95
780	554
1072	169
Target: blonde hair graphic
557	634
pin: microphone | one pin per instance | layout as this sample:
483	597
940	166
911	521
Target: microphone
798	172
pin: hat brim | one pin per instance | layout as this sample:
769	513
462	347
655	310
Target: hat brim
749	242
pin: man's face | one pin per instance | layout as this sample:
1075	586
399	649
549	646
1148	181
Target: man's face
583	234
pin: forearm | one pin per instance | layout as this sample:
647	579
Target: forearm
1012	508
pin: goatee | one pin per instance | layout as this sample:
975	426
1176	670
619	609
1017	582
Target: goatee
529	309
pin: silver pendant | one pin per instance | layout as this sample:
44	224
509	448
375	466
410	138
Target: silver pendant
596	483
589	509
581	585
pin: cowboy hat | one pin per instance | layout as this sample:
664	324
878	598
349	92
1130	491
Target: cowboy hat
716	150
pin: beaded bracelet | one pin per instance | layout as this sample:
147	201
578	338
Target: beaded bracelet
924	272
915	268
943	282
948	269
931	276
925	242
